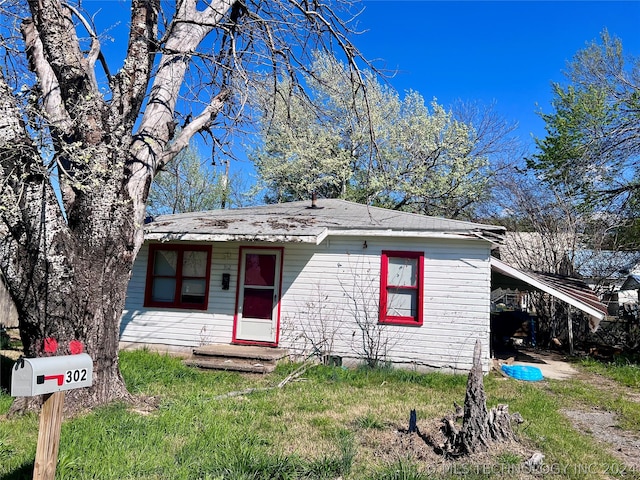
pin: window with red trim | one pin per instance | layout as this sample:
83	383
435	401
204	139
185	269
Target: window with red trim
401	276
178	276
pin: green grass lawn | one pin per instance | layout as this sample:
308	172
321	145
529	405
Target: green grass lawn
624	369
332	423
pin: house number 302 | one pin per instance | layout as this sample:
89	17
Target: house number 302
73	376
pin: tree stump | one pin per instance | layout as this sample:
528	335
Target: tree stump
480	426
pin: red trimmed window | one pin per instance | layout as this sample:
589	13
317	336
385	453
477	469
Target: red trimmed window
401	276
178	276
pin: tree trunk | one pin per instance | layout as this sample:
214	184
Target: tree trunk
474	435
480	426
77	292
67	272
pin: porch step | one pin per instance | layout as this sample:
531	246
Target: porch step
232	364
239	358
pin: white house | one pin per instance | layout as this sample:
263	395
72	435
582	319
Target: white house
334	278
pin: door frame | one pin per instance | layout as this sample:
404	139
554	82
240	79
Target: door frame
258	249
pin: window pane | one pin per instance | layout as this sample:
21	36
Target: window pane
258	303
403	272
402	303
193	291
260	269
165	263
164	290
194	264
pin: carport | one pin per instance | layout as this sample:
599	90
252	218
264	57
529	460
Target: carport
569	290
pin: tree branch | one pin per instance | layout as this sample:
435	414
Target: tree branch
60	123
130	84
95	52
291	377
27	200
49	88
62	50
156	125
201	122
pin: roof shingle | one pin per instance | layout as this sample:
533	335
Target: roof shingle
298	221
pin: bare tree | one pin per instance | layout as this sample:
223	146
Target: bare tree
550	232
189	184
371	341
70	124
544	232
315	325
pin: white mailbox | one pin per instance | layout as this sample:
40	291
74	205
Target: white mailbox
37	376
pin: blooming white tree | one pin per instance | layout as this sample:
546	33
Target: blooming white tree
377	148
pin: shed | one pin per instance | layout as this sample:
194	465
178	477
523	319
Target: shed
329	278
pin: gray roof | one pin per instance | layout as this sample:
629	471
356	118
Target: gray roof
603	264
632	282
300	222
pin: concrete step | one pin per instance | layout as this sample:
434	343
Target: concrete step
239	358
231	364
268	354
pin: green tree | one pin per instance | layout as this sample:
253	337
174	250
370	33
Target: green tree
592	146
188	184
381	149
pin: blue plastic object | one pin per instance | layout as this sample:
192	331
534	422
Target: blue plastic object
523	372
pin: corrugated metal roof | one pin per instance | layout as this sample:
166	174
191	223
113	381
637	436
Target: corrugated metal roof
298	222
568	289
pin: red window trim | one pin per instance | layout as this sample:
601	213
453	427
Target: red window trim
384	273
153	247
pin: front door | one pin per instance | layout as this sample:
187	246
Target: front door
257	308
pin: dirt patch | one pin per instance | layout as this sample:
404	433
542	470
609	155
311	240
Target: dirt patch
602	425
393	444
603	383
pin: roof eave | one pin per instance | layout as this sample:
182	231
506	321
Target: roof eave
317	238
466	235
235	237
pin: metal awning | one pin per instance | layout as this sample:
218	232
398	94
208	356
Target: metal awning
567	289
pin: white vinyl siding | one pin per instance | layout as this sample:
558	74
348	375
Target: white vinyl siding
321	285
326	286
182	328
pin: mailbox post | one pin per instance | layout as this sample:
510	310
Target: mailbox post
51	377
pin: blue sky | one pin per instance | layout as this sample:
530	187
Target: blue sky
507	52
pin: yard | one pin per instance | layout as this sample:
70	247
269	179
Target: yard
331	423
